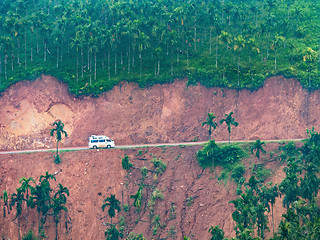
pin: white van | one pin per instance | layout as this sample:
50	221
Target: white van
100	142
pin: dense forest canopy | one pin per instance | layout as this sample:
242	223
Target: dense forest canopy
94	44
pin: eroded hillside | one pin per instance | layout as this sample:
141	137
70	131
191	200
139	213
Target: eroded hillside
162	113
193	200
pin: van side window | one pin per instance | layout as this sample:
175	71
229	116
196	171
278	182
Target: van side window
102	140
94	141
108	140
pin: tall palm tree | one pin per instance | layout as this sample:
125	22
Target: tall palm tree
17	200
26	187
258	147
58	205
229	120
59	132
211	123
113	203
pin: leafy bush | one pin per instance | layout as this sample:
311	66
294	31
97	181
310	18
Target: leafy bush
57	159
261	172
29	236
126	164
212	155
238	171
159	165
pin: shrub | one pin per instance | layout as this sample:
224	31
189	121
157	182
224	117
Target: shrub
159	166
237	172
126	164
261	172
29	236
212	155
57	159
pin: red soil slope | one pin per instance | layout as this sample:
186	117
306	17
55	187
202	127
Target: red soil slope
93	175
162	113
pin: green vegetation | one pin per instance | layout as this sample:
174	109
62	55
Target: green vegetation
258	147
229	120
29	236
40	196
298	191
159	165
93	45
126	164
212	155
58	129
217	233
113	204
211	123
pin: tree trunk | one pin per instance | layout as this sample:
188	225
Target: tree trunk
12	59
195	38
19	228
25	48
210	43
178	53
57	56
140	56
109	74
56	223
18	51
275	60
82	62
272	218
217	51
88	63
187	59
31	54
129	58
45	51
57	148
115	63
95	65
77	66
172	60
5	66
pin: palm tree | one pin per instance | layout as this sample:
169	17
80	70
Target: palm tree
41	199
113	233
26	187
113	203
217	233
17	199
58	205
258	147
239	45
210	123
59	132
229	120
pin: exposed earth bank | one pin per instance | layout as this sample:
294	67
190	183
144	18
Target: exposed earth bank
282	109
193	200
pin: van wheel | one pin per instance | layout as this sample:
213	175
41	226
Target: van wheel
108	146
94	147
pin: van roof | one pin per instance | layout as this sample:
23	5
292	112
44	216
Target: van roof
98	137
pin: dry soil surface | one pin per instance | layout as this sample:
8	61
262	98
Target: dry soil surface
128	114
193	200
282	109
